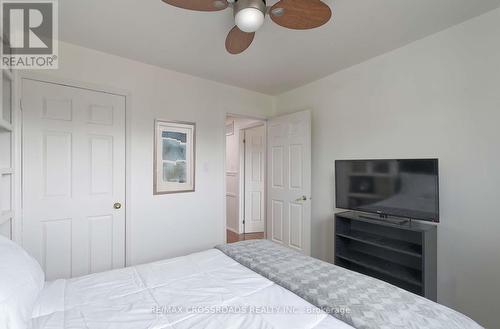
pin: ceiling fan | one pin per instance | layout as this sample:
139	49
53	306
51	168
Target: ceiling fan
249	16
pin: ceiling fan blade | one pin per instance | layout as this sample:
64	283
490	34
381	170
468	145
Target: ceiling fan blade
200	5
238	41
300	14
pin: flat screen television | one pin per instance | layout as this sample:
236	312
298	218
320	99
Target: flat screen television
406	188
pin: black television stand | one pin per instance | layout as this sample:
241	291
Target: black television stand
403	255
385	218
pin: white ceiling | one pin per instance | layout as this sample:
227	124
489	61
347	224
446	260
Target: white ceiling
279	59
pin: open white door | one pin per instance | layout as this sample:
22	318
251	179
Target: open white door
289	182
73	178
255	147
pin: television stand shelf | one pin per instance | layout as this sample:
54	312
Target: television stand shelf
401	254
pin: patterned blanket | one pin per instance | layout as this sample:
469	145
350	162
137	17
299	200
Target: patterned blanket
357	299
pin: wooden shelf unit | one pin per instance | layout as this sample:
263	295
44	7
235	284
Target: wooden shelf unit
403	255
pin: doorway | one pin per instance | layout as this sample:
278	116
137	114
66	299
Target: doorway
245	178
283	156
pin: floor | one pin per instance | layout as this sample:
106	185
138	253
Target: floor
233	237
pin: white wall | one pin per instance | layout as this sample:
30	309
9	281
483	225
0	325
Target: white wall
438	97
169	225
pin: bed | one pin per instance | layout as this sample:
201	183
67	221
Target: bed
209	289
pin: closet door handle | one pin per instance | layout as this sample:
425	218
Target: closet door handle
117	205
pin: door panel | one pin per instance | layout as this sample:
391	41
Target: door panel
254	179
295	225
289	187
277	221
277	166
296	167
57	164
73	173
101	243
101	165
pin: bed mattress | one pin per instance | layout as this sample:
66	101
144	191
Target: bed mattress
201	290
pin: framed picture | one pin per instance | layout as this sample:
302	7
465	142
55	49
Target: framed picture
174	157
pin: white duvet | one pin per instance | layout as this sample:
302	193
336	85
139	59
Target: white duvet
202	290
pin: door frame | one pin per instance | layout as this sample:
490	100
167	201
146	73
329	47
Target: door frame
43	77
241	165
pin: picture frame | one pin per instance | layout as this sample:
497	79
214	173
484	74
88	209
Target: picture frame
174	157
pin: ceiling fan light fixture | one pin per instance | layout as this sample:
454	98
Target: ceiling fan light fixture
249	19
249	14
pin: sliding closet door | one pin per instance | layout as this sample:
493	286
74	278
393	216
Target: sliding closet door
73	178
